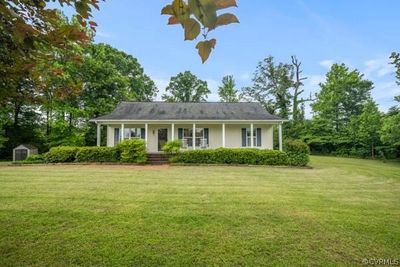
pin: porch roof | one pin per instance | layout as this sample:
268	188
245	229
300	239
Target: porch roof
188	111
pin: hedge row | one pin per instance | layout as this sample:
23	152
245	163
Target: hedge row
133	151
296	154
235	156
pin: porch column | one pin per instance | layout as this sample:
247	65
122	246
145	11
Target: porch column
146	129
122	131
172	131
98	134
280	136
251	135
194	136
223	135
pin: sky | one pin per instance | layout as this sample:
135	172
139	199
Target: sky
360	33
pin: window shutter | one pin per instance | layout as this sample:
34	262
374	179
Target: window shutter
180	133
116	136
258	136
243	136
143	133
206	136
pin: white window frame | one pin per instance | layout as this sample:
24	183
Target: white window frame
137	133
248	137
189	135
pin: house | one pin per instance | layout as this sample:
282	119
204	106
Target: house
198	125
23	151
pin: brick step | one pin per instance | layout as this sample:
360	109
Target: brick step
158	158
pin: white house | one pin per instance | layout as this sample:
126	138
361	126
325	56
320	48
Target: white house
198	125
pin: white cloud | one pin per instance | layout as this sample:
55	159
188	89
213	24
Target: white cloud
327	63
378	67
385	90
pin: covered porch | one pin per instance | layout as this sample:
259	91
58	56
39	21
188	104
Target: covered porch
194	134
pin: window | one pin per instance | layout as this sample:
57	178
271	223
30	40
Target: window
116	136
201	137
132	133
248	137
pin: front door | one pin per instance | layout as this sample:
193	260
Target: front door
162	137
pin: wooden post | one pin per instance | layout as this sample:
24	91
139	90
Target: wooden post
172	131
194	136
223	135
98	134
280	136
252	135
146	129
122	131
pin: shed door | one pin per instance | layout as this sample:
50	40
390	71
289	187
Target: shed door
21	154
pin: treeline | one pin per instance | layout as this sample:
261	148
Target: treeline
346	120
54	80
49	104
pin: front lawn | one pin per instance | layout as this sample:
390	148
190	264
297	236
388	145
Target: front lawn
338	213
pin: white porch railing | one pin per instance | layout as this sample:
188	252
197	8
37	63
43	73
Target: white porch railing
200	143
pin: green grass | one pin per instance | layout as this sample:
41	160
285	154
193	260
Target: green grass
339	212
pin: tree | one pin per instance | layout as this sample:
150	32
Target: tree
200	15
29	30
298	112
271	84
395	57
227	91
111	76
342	96
186	87
390	134
369	126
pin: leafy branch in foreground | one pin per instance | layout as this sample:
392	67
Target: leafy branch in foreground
200	16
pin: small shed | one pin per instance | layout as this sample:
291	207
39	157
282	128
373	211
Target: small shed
23	151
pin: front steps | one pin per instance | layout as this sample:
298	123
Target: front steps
158	158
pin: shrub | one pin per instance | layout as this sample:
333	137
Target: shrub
296	146
61	154
133	151
35	158
97	154
298	152
232	156
172	146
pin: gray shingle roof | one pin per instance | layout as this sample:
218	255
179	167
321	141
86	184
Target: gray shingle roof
188	111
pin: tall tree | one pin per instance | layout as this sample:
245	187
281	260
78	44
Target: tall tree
271	84
369	126
298	101
29	30
390	134
227	91
186	87
111	76
342	96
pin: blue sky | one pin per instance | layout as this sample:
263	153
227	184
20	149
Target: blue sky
360	33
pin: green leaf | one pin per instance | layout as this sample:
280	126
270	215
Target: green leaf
205	11
192	29
167	10
221	4
205	47
225	19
